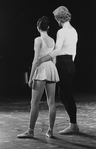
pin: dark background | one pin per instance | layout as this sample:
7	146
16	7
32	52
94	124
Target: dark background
17	32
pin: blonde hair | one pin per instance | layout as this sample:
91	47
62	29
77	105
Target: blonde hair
62	14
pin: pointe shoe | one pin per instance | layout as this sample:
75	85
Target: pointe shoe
49	133
70	130
26	134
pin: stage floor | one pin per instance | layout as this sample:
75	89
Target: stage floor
14	118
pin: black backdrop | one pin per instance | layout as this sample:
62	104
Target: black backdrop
17	32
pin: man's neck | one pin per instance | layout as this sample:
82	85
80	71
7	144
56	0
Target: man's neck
66	24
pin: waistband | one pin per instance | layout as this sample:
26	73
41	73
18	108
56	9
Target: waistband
64	56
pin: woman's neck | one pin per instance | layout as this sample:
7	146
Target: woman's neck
43	34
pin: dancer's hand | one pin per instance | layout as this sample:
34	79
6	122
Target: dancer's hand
43	59
30	83
38	63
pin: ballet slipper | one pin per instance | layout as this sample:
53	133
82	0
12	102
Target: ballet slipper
49	133
72	129
27	134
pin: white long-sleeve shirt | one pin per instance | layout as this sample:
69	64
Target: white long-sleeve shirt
66	42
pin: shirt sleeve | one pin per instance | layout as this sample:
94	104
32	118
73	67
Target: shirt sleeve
59	43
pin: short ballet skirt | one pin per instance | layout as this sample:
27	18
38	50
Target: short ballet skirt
46	71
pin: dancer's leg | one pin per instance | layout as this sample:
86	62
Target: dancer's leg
68	100
70	106
36	96
50	92
66	70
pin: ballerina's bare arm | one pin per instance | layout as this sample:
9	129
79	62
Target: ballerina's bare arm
37	46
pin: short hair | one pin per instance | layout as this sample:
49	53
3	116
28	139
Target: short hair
62	14
43	23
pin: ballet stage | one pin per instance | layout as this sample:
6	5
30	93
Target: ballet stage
14	117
